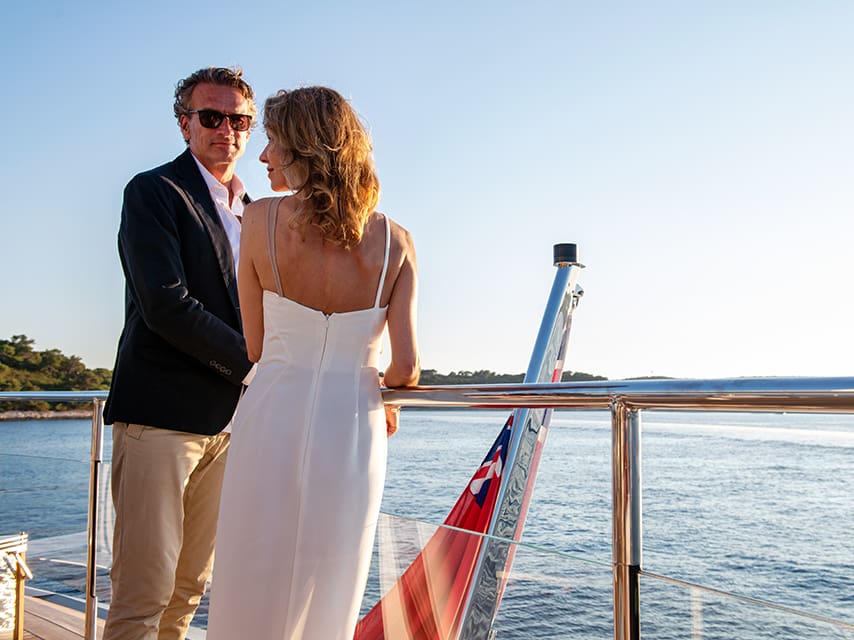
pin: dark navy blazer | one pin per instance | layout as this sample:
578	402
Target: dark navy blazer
181	355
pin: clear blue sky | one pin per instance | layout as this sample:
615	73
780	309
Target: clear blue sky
700	154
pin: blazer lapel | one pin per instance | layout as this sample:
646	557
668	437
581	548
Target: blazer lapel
200	199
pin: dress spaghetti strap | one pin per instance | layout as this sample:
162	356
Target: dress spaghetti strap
272	208
385	261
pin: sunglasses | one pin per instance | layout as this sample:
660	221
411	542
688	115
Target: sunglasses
211	119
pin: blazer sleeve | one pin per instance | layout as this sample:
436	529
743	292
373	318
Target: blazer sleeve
153	253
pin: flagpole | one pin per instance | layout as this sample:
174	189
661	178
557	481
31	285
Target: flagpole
530	427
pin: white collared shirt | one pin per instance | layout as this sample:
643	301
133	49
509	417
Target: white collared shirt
229	213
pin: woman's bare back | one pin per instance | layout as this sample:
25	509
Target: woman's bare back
324	276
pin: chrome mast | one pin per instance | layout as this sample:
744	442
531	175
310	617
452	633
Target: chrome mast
530	427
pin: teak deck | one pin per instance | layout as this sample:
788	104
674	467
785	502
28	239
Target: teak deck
44	620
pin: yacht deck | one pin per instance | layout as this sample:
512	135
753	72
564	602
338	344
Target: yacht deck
45	620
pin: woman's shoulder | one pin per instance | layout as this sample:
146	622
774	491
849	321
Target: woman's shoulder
403	238
258	206
397	231
401	243
256	211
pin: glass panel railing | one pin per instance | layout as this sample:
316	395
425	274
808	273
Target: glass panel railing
753	504
671	610
44	496
44	492
554	595
547	594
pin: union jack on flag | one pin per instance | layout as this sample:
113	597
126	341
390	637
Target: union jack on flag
491	467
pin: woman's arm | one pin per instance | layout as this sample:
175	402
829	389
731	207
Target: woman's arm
405	366
248	284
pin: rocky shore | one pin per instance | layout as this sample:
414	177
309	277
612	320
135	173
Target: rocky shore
75	414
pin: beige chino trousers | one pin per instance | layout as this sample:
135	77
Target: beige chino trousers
166	488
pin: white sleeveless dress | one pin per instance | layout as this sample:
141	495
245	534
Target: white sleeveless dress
304	477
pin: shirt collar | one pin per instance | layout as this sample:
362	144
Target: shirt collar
217	188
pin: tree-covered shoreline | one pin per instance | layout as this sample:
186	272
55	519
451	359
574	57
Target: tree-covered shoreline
22	368
484	376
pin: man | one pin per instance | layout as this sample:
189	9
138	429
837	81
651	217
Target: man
181	362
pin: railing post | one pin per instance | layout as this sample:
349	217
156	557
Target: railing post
626	504
90	630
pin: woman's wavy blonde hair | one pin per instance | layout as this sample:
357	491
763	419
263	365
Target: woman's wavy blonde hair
320	136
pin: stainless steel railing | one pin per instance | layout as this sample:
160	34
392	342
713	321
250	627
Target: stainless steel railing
830	395
625	399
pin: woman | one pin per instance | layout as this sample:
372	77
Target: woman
321	273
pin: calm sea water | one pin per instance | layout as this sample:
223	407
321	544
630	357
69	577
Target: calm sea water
753	504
